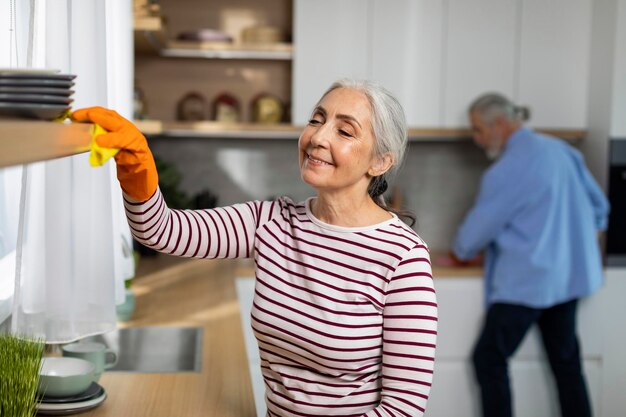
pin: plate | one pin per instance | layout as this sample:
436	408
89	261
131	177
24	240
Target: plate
34	98
35	90
32	111
73	408
19	75
32	71
94	390
26	82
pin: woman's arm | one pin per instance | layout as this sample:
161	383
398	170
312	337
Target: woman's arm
409	337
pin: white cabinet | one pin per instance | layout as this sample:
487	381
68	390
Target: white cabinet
407	45
437	56
554	54
480	54
331	42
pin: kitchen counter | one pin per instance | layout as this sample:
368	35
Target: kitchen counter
190	292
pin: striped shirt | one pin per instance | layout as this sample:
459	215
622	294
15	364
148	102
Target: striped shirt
345	318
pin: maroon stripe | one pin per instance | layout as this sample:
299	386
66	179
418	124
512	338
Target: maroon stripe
225	232
408	343
235	231
407	392
268	399
389	242
336	250
413	260
410	303
412	275
311	329
317	319
408	330
408	289
188	237
320	394
314	305
180	230
402	411
307	278
157	213
409	316
408	368
143	213
323	258
293	401
311	342
328	358
193	214
293	359
217	235
410	381
328	384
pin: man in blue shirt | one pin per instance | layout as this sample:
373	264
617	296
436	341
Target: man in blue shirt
537	216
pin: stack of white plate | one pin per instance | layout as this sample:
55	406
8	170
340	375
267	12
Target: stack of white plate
61	406
35	94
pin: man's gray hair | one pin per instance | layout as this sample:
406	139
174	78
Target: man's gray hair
490	106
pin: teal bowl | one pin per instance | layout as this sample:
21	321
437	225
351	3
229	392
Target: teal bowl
64	377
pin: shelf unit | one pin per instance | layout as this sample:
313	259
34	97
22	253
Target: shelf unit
217	130
149	34
26	141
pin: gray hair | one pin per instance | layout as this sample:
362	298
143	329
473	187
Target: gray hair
388	119
490	106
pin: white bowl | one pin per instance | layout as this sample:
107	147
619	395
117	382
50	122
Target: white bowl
61	377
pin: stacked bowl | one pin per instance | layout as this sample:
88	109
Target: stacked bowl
35	93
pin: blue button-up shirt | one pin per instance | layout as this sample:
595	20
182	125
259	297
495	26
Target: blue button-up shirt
537	215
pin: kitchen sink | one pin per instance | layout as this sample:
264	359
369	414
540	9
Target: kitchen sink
155	349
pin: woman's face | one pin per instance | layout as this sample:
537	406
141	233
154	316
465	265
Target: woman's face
337	145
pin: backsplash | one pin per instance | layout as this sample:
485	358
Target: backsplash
438	180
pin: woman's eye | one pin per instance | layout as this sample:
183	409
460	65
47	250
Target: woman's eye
314	122
345	133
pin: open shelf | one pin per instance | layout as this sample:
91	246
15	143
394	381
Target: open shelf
149	34
222	50
26	141
207	129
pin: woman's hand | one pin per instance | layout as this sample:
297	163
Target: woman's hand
136	170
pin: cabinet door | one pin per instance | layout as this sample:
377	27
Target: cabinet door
554	61
407	40
480	53
331	42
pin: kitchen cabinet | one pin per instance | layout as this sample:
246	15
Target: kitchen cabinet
480	54
332	41
436	57
407	56
554	61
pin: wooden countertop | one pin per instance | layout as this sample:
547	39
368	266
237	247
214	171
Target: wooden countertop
174	291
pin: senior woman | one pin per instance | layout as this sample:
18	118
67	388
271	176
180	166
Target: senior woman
344	309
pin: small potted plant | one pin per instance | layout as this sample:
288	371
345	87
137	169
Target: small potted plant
20	363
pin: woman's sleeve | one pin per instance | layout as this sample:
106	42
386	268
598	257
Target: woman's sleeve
224	232
409	338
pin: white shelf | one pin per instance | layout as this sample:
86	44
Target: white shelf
26	141
217	50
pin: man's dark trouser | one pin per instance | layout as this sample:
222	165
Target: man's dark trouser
503	331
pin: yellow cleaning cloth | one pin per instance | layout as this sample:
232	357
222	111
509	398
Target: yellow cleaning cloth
99	155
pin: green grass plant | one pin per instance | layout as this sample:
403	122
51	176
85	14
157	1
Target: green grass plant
20	363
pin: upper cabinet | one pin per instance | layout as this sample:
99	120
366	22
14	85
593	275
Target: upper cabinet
554	61
437	56
332	41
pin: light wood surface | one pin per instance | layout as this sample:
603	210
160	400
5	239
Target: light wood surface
26	141
183	292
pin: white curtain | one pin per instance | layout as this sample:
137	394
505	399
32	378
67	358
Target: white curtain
75	249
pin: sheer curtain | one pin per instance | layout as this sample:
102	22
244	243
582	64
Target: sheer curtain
73	246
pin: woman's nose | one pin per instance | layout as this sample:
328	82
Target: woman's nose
320	136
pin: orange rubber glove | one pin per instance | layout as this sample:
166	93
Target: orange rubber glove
136	170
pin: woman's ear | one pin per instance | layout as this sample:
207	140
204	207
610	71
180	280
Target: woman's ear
380	165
